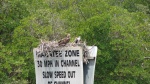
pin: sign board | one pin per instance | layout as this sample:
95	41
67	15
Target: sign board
59	66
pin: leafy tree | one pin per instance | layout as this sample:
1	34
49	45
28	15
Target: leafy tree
117	35
11	13
120	29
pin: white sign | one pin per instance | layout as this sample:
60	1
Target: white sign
59	66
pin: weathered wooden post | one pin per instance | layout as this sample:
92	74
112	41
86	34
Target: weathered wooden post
64	65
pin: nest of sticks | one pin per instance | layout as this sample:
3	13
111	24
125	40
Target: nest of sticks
46	46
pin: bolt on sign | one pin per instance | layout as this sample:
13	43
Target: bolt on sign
59	65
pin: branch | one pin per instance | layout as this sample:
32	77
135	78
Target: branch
147	49
146	57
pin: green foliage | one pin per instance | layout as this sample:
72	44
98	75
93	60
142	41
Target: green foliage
10	15
120	29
